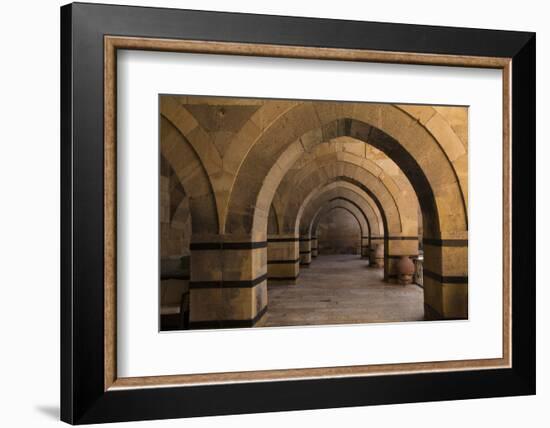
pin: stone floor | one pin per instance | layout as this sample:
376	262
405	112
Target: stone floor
341	289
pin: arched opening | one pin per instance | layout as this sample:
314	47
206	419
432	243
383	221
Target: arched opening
175	250
441	216
339	232
277	183
187	212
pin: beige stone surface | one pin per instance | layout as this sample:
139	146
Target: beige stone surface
242	170
226	304
405	247
448	300
206	265
339	232
244	264
446	260
282	250
205	304
287	270
340	289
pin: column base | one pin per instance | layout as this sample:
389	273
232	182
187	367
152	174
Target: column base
431	314
228	323
282	280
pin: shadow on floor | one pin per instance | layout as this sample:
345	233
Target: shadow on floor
51	411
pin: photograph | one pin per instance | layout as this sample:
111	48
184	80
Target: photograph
290	212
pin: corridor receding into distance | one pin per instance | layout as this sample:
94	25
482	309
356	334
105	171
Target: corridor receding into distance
341	289
280	212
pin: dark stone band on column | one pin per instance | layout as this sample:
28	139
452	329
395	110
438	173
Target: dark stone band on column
228	323
282	262
398	256
228	284
198	246
445	279
446	242
430	314
283	278
282	240
183	277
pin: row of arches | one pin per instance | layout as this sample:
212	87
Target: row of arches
258	175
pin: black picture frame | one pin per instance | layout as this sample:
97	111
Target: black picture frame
83	399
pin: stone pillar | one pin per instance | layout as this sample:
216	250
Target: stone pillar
305	251
174	293
374	242
397	247
445	278
419	270
314	247
228	286
365	247
283	258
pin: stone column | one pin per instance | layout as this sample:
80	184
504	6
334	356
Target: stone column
419	271
283	258
228	286
374	242
445	278
314	247
305	251
174	293
397	247
365	247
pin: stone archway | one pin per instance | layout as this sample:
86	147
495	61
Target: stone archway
334	226
239	187
430	172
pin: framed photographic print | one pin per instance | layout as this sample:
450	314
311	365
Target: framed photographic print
265	213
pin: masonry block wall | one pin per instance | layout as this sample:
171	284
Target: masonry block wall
253	190
339	233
